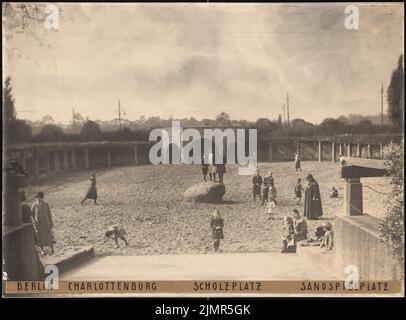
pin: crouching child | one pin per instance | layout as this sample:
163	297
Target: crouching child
327	241
115	233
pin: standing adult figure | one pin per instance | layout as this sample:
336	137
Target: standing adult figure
212	167
267	182
221	170
43	223
256	185
92	191
312	205
297	162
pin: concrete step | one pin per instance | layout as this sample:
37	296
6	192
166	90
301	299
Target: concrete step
320	258
68	257
242	266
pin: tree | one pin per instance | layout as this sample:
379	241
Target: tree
8	102
16	131
332	126
19	131
396	95
265	126
126	134
77	122
47	119
223	119
50	133
365	123
300	123
91	131
392	227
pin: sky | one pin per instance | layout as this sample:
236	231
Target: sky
197	60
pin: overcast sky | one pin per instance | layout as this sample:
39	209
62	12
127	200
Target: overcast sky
198	60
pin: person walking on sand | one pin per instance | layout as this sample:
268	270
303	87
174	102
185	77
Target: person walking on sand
43	223
297	162
256	188
312	204
216	225
92	191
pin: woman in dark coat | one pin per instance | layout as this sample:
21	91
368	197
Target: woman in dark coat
312	204
216	225
92	191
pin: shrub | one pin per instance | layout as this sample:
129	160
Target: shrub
392	227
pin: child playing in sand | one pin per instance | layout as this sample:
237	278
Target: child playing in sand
342	160
288	239
298	190
334	193
116	232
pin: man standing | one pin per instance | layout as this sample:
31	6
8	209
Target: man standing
312	204
257	182
268	182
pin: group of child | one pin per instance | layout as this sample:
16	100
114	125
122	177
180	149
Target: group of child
266	190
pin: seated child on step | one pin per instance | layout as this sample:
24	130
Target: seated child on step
288	239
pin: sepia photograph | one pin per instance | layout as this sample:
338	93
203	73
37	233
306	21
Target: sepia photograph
203	150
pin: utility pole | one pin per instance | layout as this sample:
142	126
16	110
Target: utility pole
382	105
119	113
284	116
287	106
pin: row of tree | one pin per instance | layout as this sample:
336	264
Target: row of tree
81	129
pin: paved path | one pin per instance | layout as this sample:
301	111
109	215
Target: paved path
247	266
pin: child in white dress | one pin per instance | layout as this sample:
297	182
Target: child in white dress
270	209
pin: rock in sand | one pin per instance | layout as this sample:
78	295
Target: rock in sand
211	192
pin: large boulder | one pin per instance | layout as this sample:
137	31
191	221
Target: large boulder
211	192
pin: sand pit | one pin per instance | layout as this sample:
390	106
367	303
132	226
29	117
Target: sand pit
148	202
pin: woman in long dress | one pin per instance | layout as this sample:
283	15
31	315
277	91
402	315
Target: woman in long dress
312	204
92	191
43	223
297	162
